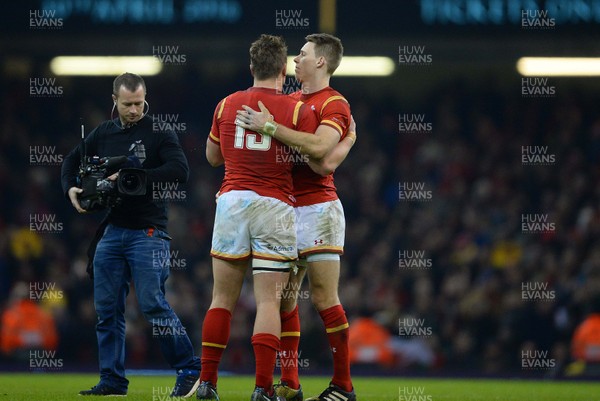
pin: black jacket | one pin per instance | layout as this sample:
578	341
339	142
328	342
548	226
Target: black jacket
161	156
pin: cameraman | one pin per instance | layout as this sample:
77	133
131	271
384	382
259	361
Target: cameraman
134	245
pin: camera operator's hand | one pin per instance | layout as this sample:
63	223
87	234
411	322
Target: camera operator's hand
113	177
73	191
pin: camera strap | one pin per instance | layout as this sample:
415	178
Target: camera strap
91	252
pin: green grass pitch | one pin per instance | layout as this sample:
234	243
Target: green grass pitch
64	387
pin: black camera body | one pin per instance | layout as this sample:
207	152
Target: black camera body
99	192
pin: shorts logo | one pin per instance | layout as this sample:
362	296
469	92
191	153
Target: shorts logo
280	248
318	242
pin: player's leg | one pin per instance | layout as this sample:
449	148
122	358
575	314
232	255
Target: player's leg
326	224
291	290
228	276
323	274
324	277
266	334
274	251
228	280
230	252
289	384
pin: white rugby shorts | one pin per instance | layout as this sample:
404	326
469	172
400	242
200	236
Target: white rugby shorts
248	225
320	228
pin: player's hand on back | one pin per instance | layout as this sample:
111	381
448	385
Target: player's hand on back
253	120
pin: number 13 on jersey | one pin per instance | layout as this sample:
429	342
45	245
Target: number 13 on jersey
253	140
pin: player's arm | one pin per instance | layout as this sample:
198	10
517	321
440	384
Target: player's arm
333	159
213	153
316	145
213	142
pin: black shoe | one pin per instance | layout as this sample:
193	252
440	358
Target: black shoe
260	394
206	391
186	384
334	393
283	390
103	389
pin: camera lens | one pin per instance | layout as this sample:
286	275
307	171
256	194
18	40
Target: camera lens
132	182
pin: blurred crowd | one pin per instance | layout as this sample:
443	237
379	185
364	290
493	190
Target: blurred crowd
468	300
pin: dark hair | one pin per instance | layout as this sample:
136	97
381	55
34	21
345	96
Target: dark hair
130	81
268	56
327	46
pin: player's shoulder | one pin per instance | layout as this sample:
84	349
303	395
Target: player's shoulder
225	103
329	91
237	96
296	95
280	102
331	95
333	101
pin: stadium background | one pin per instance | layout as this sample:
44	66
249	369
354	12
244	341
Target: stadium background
468	297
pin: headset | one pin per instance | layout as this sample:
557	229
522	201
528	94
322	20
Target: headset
122	127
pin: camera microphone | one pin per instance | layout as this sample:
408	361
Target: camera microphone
132	162
115	162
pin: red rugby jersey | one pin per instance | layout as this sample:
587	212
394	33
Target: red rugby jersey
333	110
253	161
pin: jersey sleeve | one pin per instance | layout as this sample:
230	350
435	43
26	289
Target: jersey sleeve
335	113
214	134
304	120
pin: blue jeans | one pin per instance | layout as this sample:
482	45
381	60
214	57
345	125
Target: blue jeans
123	254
